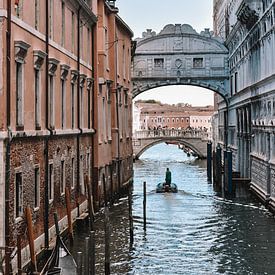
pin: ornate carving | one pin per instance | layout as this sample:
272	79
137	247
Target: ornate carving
21	49
64	70
38	59
74	75
53	63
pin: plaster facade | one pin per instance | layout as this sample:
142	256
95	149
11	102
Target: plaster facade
55	131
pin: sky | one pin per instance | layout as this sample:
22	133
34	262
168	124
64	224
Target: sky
155	14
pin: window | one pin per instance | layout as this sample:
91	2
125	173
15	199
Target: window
73	173
104	122
198	63
36	14
89	165
82	189
88	45
51	101
72	105
62	177
231	85
236	82
37	99
18	195
159	63
63	24
63	103
73	31
107	48
36	187
124	62
19	94
51	182
81	107
109	114
51	18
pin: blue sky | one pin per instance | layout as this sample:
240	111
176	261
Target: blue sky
155	14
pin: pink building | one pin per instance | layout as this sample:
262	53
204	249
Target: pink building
65	108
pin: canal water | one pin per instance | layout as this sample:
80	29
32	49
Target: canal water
192	232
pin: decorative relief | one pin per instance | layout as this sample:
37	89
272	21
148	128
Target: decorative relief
178	63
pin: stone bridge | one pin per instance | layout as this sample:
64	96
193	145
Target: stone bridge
178	55
192	140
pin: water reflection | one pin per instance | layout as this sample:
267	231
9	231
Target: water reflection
191	232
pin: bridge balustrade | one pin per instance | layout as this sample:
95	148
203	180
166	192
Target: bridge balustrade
147	134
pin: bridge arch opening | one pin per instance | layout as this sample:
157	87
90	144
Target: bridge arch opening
197	152
193	94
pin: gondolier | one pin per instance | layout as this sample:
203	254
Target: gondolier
168	177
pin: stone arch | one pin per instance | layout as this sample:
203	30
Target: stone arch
215	87
182	141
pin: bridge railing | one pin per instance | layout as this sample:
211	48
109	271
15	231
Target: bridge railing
146	134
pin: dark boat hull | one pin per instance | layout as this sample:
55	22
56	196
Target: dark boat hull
162	188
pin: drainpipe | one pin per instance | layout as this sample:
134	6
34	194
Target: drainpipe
117	118
118	139
94	52
46	152
78	107
7	166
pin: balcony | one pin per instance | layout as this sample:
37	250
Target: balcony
247	13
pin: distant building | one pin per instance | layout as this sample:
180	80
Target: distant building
156	115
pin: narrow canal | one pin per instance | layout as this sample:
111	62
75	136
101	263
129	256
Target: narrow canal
191	232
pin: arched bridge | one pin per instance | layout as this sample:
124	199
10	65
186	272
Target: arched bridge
194	140
178	55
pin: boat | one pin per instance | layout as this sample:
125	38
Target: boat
61	260
164	188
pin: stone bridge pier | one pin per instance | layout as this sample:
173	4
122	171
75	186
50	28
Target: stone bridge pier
193	141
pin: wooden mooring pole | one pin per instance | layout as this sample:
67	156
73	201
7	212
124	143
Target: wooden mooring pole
19	258
92	255
87	253
144	205
209	161
107	241
69	213
31	238
130	201
79	260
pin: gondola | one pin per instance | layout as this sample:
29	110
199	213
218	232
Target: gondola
61	260
164	188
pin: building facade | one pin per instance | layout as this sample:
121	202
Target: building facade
113	141
247	28
158	116
55	127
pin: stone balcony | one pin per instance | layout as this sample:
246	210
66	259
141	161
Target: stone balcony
247	13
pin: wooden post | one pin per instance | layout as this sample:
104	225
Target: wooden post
214	163
69	212
131	216
209	161
229	174
219	166
107	241
87	253
225	172
92	254
144	206
31	237
90	206
79	258
105	190
19	259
